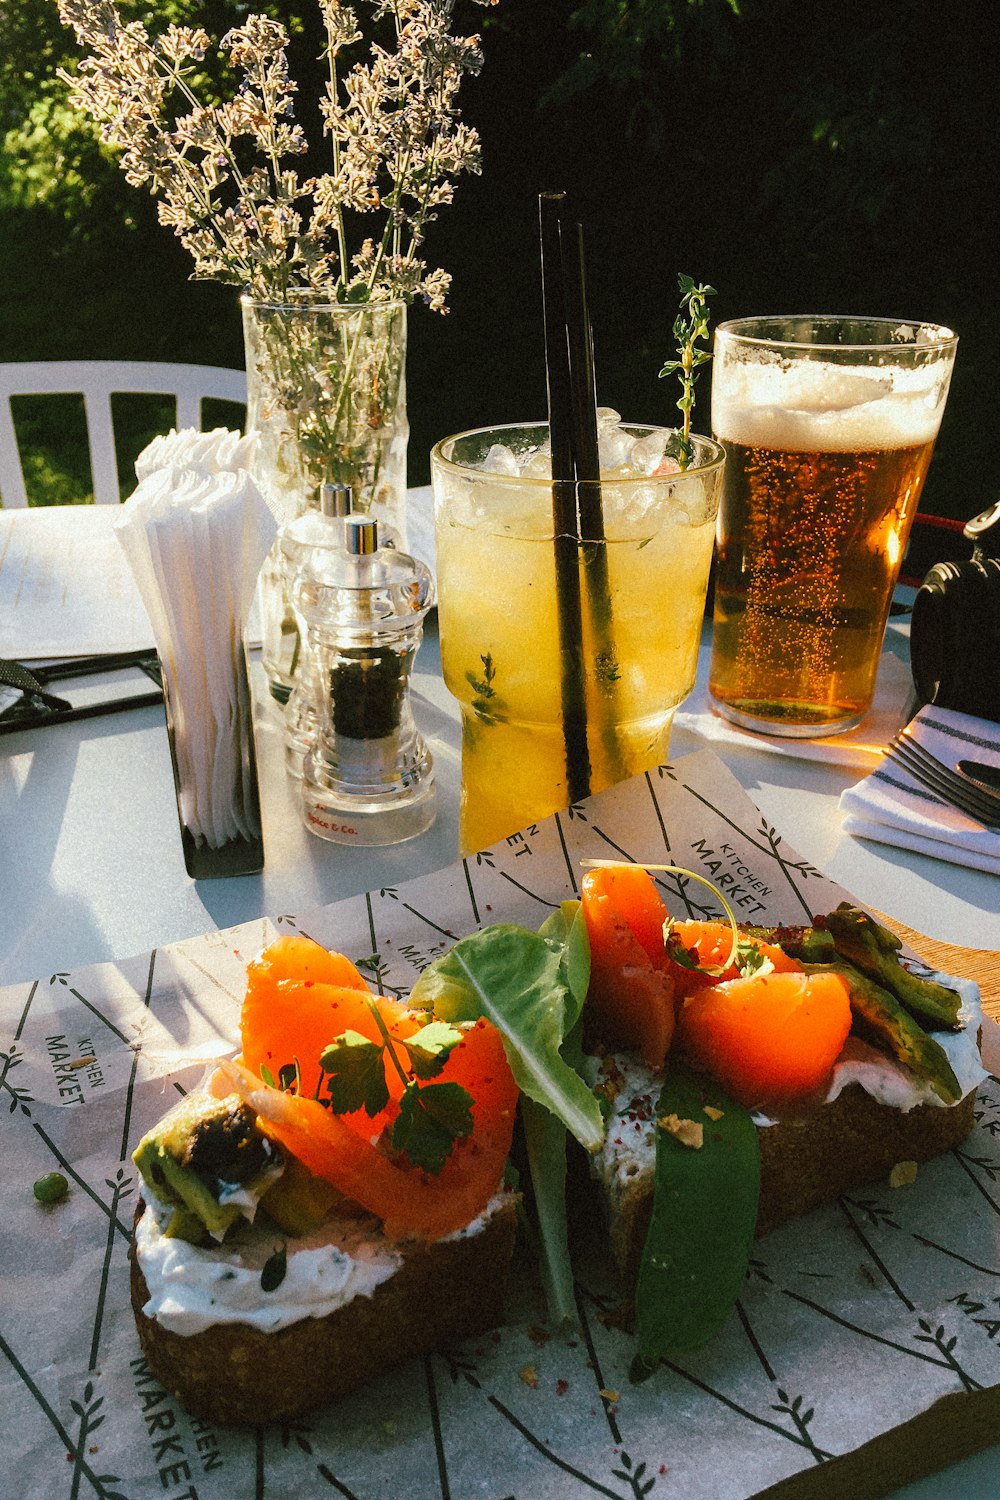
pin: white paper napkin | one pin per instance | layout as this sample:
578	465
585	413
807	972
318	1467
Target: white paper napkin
195	542
215	452
893	808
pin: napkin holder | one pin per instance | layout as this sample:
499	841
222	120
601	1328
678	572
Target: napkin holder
195	532
241	855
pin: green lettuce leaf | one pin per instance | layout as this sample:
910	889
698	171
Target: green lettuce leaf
545	1142
531	987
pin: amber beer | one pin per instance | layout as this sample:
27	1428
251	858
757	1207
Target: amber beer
825	462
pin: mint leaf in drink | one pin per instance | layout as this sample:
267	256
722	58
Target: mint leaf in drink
487	705
429	1048
431	1120
357	1074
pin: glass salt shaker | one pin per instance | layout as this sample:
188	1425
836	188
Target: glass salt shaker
367	778
320	527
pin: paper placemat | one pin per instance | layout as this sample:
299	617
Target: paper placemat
854	1319
65	587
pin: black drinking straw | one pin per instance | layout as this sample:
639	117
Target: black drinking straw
583	393
590	507
566	534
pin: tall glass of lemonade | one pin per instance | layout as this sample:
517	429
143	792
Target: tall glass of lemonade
499	612
828	424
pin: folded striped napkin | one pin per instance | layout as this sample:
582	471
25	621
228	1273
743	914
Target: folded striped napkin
890	806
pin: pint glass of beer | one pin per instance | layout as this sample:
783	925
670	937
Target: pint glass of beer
828	425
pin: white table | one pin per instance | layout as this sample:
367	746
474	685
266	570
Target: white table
91	866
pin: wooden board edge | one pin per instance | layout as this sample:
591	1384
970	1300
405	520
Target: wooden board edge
954	1427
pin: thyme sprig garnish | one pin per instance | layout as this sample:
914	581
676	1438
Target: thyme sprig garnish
690	325
487	705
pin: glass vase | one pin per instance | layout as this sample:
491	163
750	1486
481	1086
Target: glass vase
326	399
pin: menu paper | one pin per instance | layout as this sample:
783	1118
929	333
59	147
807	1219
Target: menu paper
65	586
855	1320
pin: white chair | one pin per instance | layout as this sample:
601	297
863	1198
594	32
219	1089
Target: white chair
96	381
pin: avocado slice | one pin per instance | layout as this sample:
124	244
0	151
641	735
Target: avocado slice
208	1158
299	1201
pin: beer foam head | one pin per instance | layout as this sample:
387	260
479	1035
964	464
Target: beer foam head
819	406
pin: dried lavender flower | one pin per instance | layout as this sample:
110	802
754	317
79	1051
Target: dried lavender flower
224	175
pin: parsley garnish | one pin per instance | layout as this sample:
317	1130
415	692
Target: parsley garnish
356	1074
432	1116
750	960
430	1120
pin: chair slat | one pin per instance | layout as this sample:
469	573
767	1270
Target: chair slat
97	381
12	491
103	454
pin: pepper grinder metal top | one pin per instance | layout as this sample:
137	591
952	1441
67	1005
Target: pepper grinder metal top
362	536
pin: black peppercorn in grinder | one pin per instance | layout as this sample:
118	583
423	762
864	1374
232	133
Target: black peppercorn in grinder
955	627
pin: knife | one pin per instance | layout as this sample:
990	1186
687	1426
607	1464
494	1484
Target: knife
982	775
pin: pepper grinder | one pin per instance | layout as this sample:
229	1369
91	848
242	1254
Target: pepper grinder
320	527
367	778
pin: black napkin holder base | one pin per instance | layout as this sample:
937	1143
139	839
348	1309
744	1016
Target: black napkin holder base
237	856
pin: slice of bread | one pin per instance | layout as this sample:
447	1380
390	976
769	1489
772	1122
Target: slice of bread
805	1162
235	1374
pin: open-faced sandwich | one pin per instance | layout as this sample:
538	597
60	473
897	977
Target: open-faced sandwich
752	1075
330	1204
333	1202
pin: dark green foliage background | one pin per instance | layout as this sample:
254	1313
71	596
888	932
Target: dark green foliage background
800	156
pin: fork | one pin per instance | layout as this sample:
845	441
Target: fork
979	804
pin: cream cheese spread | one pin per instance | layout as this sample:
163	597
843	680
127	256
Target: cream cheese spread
191	1288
